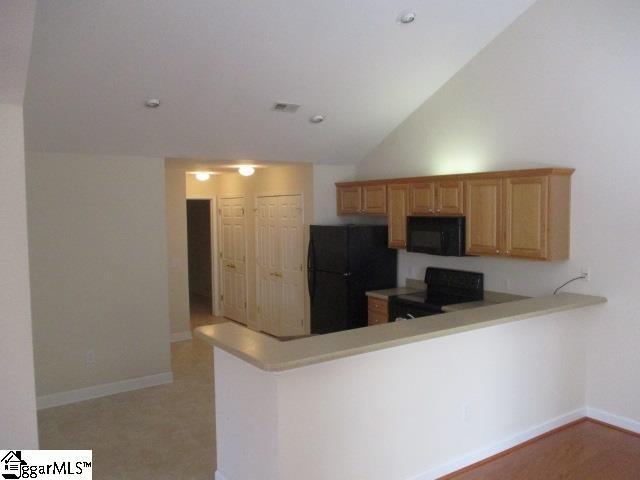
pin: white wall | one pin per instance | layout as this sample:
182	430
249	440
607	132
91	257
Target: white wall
324	192
178	264
558	88
399	413
17	402
98	253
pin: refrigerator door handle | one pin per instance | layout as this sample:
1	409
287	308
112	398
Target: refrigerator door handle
311	283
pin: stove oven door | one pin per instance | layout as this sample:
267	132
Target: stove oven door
402	311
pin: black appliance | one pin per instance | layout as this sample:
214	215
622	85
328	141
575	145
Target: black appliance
436	235
444	287
343	262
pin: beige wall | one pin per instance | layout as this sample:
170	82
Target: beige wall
272	180
17	401
559	87
98	253
176	211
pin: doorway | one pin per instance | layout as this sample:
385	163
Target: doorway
199	259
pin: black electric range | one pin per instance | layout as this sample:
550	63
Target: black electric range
444	287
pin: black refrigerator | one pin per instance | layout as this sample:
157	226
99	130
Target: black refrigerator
344	262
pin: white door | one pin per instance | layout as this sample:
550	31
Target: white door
279	235
233	258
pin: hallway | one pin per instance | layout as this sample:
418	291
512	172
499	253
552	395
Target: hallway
163	432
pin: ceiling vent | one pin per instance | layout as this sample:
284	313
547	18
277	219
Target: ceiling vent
285	107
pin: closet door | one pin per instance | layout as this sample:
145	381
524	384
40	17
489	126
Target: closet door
233	258
280	292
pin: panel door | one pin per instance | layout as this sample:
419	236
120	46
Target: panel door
449	197
233	258
291	274
484	216
268	261
422	198
280	276
397	212
374	199
349	200
526	216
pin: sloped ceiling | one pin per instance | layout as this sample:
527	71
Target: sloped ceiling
219	65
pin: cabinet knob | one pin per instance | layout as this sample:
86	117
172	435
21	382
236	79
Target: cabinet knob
497	251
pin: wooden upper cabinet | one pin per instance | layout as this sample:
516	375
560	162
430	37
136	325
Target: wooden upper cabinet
398	198
516	213
526	216
349	200
374	199
422	198
483	211
450	197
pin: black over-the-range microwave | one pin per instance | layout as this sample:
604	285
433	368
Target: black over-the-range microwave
436	235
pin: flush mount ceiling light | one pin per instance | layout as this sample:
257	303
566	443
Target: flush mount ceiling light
152	102
246	170
203	176
316	119
407	17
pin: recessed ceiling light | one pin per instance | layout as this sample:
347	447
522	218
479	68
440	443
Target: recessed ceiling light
316	119
203	176
407	17
246	170
152	102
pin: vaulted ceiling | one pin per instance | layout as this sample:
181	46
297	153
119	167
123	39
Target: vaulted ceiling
218	66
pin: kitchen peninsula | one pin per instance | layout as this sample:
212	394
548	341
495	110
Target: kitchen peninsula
406	400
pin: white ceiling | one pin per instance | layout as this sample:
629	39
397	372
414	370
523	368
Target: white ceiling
219	65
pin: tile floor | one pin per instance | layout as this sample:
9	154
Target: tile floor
163	432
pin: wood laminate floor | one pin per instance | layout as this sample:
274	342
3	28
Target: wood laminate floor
583	451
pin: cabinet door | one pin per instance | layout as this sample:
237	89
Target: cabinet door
449	197
397	211
378	311
526	216
422	198
484	216
374	199
349	200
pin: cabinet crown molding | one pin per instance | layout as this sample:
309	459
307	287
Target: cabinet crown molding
463	176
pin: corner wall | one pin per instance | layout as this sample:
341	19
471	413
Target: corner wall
17	402
178	264
97	244
557	88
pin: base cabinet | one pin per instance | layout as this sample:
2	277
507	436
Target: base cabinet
378	311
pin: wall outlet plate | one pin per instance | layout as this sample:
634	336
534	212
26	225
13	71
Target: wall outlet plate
586	273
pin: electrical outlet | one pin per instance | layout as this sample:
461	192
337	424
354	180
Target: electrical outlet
90	358
586	273
507	284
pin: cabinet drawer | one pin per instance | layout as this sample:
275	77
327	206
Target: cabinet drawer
377	318
379	306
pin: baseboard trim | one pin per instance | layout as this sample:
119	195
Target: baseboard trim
611	419
73	396
500	446
181	336
219	476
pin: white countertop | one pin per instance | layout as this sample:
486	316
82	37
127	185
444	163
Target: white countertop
271	354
